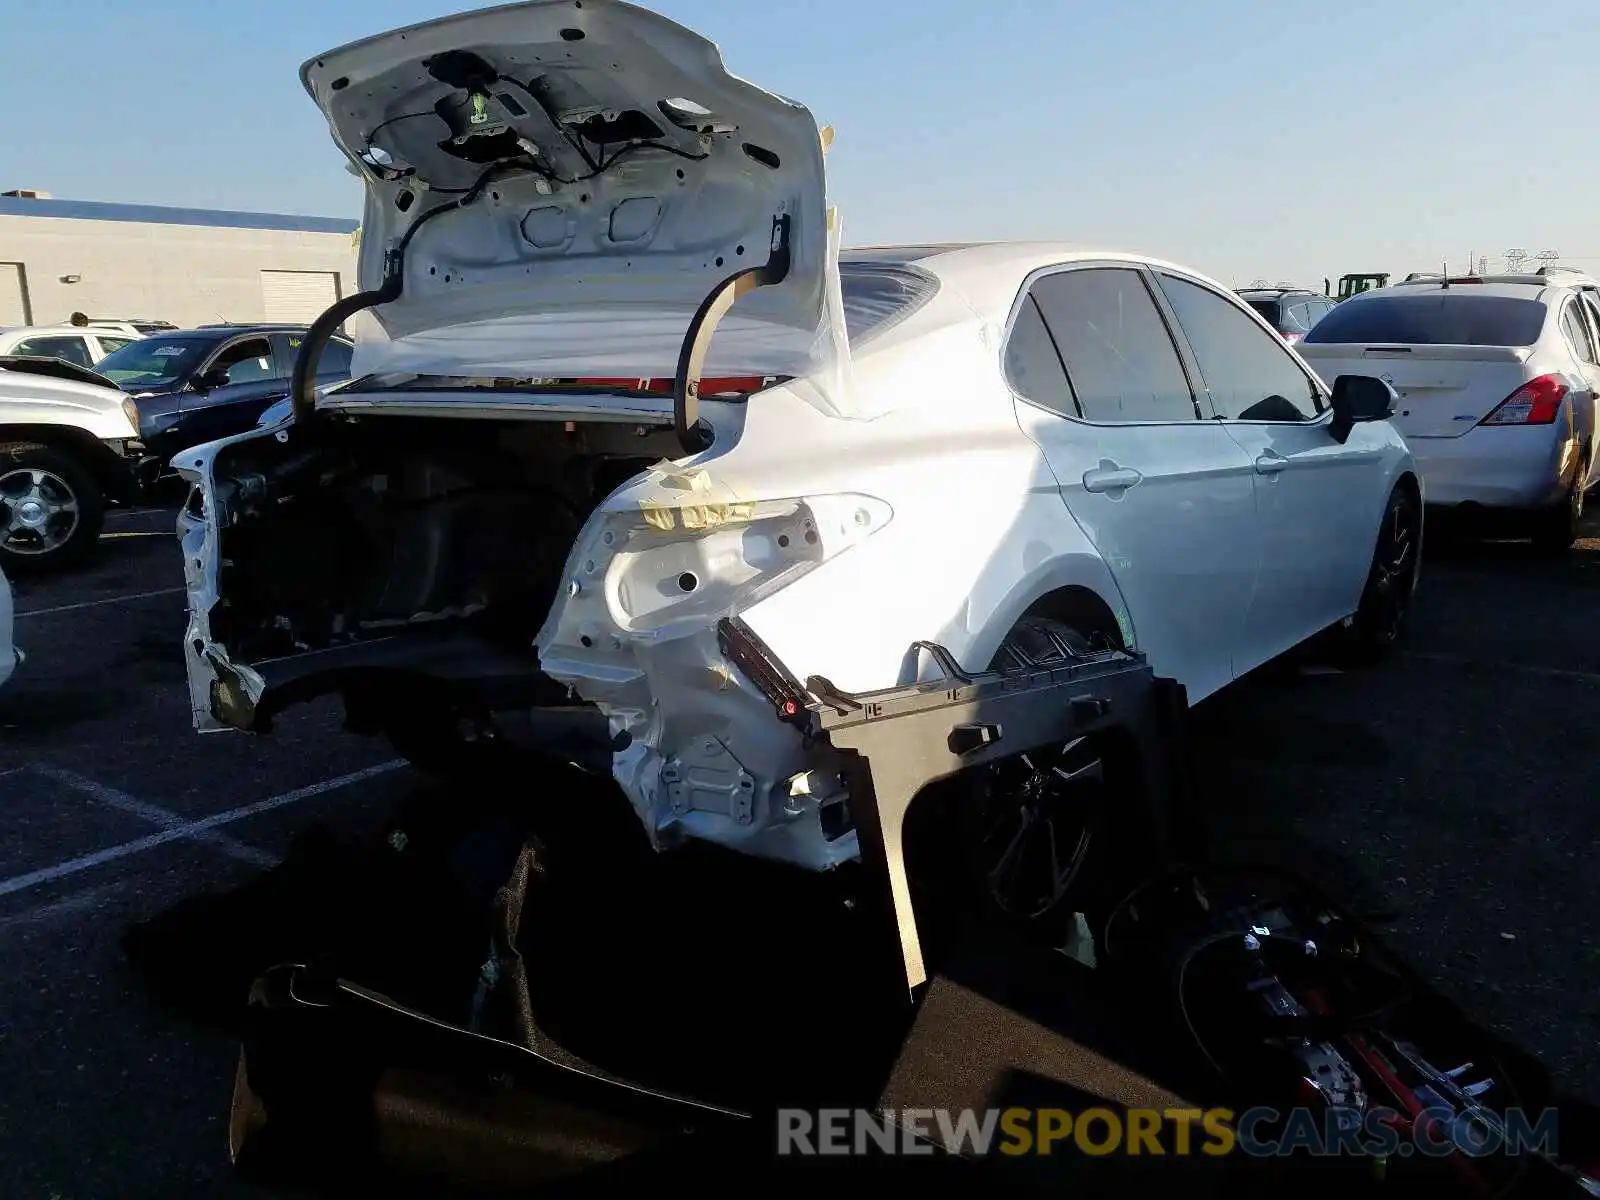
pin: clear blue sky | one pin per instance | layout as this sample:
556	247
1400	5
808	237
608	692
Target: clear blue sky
1249	139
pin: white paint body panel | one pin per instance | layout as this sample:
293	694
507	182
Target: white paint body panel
29	399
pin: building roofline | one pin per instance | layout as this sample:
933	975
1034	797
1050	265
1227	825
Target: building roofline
154	214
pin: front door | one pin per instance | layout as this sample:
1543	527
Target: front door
1314	500
250	378
1165	496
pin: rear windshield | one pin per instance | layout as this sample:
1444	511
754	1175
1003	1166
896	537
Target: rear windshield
878	297
1267	308
1452	318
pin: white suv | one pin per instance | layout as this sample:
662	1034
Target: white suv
84	345
1003	449
1499	379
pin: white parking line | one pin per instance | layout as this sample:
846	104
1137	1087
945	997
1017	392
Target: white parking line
122	802
61	608
188	829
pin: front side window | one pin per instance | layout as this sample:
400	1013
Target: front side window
1119	357
70	349
248	362
1250	374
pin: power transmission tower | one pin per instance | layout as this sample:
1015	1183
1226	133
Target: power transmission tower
1483	264
1516	259
1548	257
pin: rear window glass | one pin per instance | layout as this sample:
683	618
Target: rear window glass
1435	319
1267	308
876	298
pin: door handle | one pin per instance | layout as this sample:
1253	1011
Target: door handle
1270	463
1109	477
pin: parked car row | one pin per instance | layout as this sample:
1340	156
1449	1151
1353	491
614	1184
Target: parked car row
91	417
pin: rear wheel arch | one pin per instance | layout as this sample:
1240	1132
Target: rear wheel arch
1079	608
1409	484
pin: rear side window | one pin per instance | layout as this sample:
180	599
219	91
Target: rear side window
70	349
1452	318
1268	310
1576	331
1119	356
876	298
1033	368
1302	317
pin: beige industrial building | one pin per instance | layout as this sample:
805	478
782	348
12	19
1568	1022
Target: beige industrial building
184	265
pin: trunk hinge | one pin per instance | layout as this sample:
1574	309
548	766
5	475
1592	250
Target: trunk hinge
691	359
303	382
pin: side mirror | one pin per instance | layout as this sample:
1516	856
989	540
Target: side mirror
1358	398
207	380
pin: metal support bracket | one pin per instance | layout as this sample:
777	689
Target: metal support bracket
697	341
896	742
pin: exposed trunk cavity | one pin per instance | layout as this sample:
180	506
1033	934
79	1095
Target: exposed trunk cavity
406	561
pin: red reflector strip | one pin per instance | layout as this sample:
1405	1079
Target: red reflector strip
1536	402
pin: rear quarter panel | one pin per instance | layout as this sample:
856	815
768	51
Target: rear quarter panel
979	529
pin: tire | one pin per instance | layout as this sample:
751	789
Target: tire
1381	620
51	509
1556	528
1030	826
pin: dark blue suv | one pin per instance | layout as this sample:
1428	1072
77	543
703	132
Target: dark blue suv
194	385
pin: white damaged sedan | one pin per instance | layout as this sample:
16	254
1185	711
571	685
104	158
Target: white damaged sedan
620	382
10	655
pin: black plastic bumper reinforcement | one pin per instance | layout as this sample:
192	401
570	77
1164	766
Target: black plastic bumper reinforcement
897	741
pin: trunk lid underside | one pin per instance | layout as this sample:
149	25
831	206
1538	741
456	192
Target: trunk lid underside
603	175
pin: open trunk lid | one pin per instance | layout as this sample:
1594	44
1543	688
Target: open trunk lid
572	184
1444	390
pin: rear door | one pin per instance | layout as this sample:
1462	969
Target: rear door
1453	354
332	366
1165	495
1317	500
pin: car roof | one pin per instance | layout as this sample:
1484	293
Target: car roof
246	326
989	273
1264	292
54	330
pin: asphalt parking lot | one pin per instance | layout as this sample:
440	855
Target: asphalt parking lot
1454	786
